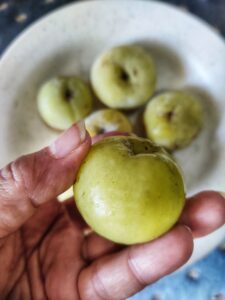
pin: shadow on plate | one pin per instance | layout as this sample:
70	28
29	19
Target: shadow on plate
27	131
170	75
169	66
200	158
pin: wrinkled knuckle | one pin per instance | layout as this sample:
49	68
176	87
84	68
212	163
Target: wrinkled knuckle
134	269
10	177
14	181
90	285
98	285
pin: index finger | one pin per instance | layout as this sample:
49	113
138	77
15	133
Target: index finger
204	213
122	274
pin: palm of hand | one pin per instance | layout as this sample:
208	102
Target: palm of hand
44	258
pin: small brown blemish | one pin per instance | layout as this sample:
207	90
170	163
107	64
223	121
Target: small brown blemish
105	62
68	95
135	72
100	130
124	76
169	115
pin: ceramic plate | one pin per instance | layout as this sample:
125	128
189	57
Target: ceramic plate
188	54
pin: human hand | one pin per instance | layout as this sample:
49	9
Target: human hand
45	251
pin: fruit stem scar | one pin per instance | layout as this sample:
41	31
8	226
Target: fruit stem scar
135	72
124	76
68	95
100	130
169	115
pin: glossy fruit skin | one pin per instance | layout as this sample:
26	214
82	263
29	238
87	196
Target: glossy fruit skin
129	190
173	119
107	120
63	101
124	77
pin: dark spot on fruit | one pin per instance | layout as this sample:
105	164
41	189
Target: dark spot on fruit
124	76
146	148
105	62
68	94
135	72
100	130
169	115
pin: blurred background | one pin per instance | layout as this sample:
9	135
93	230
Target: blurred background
204	280
15	15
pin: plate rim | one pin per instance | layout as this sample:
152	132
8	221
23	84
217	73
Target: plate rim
170	6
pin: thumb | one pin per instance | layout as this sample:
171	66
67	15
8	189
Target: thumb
34	179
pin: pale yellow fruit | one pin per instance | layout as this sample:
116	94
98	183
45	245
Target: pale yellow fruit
63	101
124	77
173	119
106	120
129	190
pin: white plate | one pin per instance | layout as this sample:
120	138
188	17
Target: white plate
187	53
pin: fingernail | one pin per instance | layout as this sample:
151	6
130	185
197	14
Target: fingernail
69	140
188	228
222	194
82	130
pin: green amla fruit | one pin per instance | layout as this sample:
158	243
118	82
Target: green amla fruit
107	120
63	101
173	119
124	77
129	190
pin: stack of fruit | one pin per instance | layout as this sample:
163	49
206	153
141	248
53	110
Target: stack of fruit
129	189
